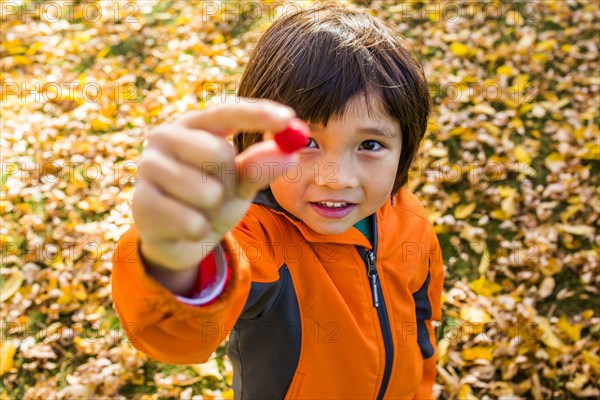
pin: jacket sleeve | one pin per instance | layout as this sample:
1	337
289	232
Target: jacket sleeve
159	324
434	292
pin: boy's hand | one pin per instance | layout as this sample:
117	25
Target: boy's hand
192	187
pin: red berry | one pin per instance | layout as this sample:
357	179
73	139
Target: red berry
294	137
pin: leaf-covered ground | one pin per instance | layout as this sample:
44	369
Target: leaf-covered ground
508	170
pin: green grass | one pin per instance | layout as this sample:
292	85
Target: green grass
580	300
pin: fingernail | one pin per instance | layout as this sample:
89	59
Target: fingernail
284	112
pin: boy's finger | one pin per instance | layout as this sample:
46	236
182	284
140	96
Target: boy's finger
243	115
197	148
259	165
167	217
180	181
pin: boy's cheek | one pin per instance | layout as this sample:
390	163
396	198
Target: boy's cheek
282	189
278	183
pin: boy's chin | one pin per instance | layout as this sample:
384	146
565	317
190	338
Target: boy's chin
336	228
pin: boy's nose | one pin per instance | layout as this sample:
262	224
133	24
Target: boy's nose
335	174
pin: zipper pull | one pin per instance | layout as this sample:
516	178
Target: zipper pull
372	274
374	288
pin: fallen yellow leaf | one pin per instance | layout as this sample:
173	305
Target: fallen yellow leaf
477	352
7	354
465	393
483	287
591	151
79	292
459	49
463	211
554	161
442	352
484	263
587	314
11	285
548	336
509	207
476	317
572	331
546	45
522	155
546	287
103	53
506	191
101	124
66	296
499	214
484	109
505	70
570	211
592	360
576	229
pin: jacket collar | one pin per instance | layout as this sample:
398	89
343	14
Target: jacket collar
353	236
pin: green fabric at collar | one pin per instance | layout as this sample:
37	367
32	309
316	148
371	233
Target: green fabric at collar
364	226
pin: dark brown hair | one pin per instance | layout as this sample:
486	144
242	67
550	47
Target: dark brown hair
316	60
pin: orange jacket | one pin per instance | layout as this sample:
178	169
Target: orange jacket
300	307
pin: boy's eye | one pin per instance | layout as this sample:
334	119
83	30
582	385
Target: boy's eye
371	145
311	143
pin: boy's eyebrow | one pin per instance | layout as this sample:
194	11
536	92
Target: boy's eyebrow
368	131
378	132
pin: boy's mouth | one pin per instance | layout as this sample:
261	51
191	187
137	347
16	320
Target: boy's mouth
333	209
333	204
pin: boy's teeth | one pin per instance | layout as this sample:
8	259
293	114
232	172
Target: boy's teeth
331	204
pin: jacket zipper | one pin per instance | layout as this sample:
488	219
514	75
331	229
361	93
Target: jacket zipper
379	304
373	277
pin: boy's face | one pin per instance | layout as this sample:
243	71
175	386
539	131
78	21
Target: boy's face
354	160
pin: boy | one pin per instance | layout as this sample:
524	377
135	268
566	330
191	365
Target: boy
323	268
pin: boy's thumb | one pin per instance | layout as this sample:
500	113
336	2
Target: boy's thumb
259	165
